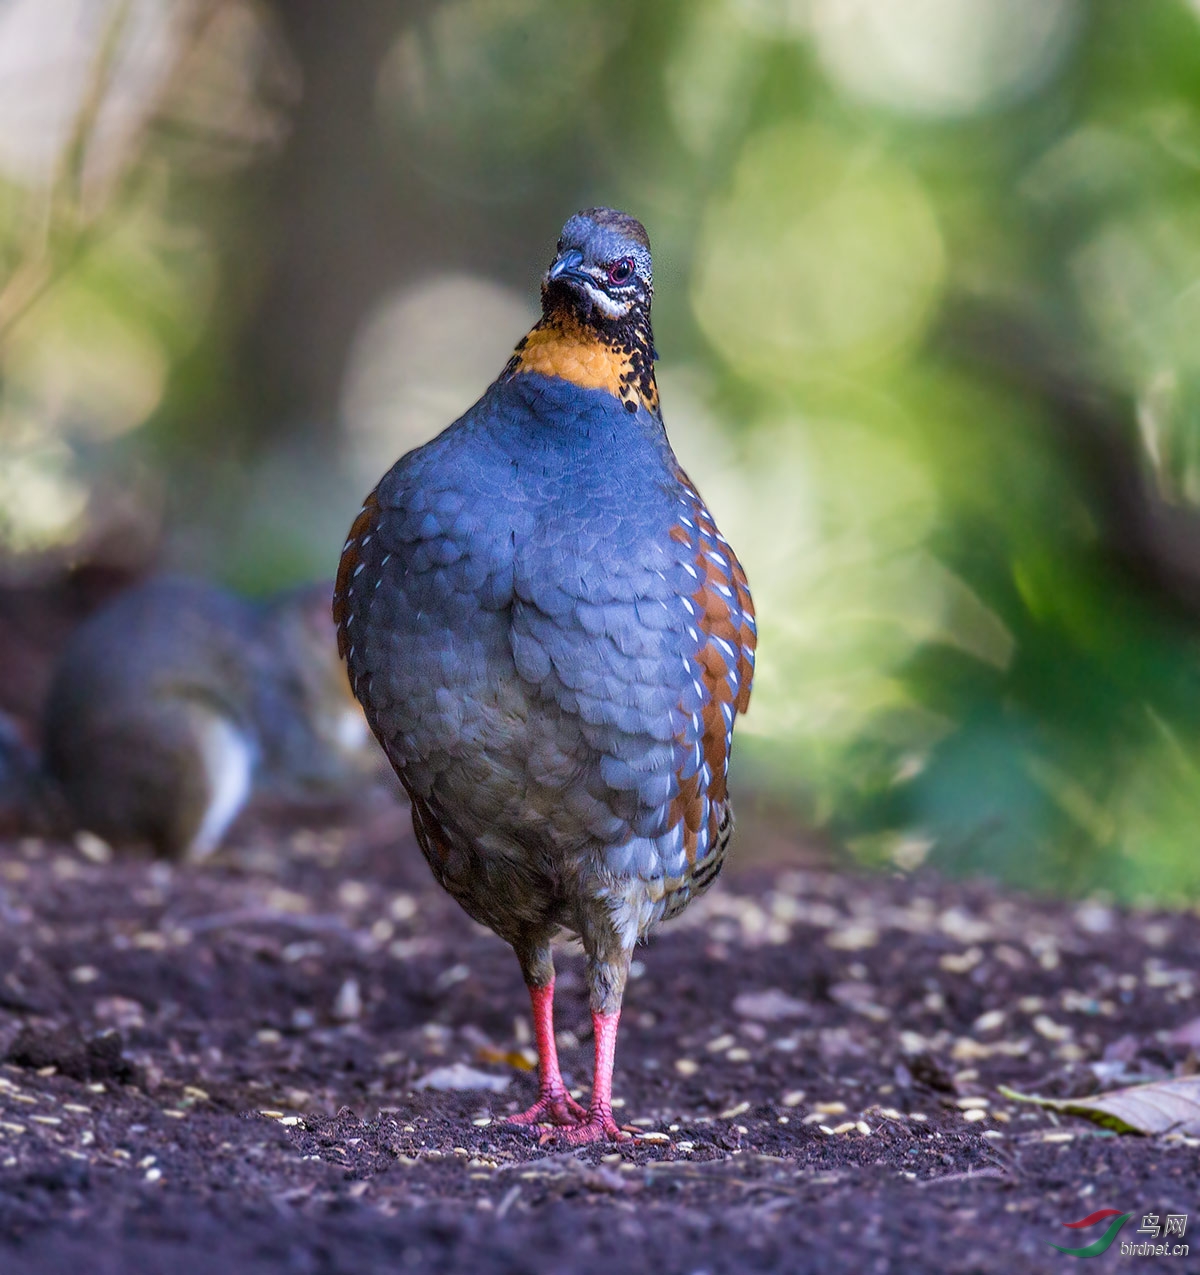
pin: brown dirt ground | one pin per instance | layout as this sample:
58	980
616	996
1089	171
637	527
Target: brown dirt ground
215	1069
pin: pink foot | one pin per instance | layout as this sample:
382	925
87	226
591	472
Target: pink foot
559	1109
598	1127
554	1105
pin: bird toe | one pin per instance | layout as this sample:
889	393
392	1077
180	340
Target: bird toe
557	1109
598	1127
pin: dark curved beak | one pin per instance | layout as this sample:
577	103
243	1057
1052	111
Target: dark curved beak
566	266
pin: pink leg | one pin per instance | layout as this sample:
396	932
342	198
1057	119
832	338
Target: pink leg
600	1123
554	1105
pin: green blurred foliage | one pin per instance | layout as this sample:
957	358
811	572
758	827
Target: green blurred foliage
974	553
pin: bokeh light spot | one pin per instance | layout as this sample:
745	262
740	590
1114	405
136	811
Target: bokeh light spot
819	253
943	57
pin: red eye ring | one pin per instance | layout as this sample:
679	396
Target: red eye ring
621	271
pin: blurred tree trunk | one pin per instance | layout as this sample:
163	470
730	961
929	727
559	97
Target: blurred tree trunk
336	223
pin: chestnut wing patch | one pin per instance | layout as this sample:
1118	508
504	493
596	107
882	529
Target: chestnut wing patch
349	569
724	668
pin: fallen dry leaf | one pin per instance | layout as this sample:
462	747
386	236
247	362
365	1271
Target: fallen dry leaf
1162	1106
508	1057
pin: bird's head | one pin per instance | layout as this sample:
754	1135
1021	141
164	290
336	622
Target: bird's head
601	269
595	324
